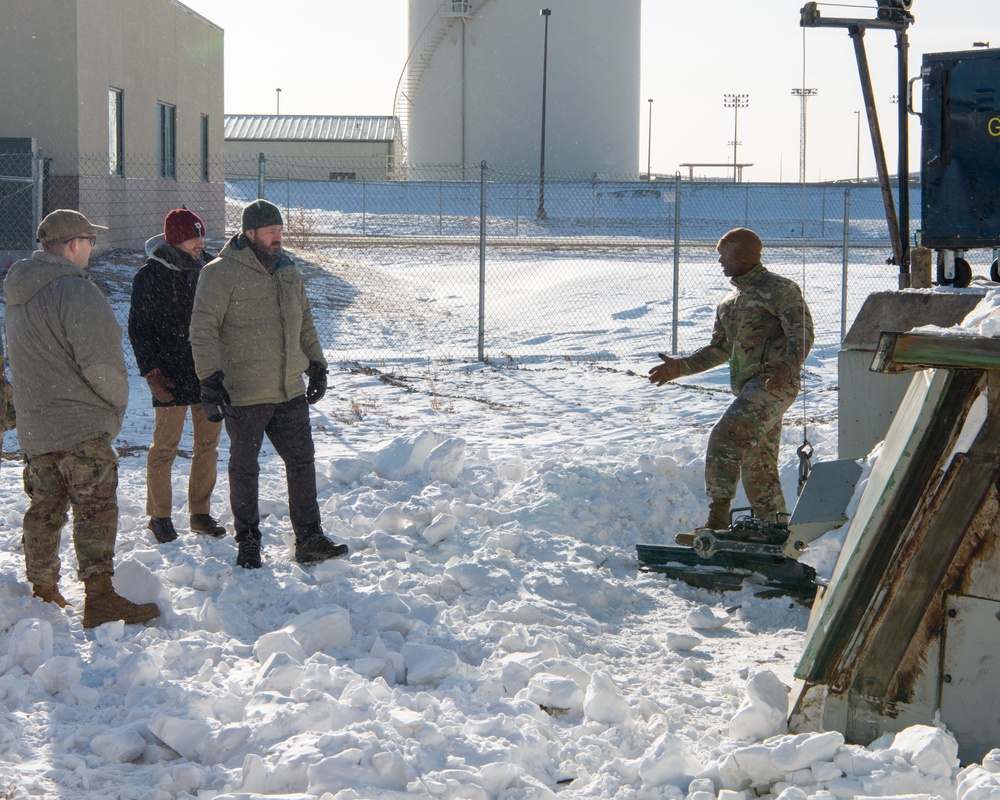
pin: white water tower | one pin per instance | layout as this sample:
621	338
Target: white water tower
472	87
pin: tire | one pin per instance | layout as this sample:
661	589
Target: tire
963	274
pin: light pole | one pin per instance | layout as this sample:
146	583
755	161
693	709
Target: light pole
277	109
857	177
803	95
545	65
649	144
735	102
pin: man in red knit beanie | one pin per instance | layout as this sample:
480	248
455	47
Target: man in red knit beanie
159	318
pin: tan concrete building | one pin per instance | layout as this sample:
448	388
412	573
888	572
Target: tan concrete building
124	101
316	148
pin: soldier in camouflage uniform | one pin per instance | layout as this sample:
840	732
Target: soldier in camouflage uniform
764	330
70	386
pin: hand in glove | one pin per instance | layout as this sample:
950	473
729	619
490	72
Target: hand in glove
159	385
667	371
8	418
781	375
214	397
317	382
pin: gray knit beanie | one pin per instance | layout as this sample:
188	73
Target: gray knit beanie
261	214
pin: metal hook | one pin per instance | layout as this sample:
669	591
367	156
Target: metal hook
805	453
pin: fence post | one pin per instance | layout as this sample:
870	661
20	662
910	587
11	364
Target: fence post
822	227
260	176
364	207
38	212
517	207
593	205
677	259
482	261
440	208
843	278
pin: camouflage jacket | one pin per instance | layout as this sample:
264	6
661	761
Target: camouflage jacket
763	321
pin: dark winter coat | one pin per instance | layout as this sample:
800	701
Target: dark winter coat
159	319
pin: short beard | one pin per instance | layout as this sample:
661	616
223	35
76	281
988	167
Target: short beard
267	259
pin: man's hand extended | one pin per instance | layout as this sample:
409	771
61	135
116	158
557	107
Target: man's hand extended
667	371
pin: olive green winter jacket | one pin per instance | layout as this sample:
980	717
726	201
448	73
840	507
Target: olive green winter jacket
255	326
763	321
64	350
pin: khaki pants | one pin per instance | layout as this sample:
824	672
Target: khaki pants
84	477
168	426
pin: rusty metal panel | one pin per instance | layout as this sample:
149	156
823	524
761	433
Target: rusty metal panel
921	436
970	679
901	351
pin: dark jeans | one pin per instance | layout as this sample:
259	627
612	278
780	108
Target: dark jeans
287	427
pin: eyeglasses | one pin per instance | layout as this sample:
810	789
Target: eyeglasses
91	239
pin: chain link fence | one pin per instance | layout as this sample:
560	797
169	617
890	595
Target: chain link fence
498	265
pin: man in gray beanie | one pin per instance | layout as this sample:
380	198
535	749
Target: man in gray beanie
253	337
764	330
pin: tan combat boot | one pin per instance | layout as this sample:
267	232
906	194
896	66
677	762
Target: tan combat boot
718	520
104	604
718	515
50	594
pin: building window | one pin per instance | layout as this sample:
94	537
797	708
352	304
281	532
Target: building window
204	147
343	176
116	132
166	141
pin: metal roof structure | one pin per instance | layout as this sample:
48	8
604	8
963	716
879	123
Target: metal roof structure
288	128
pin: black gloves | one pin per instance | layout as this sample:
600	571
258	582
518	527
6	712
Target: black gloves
214	397
317	382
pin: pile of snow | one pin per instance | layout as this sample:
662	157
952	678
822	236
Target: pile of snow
490	635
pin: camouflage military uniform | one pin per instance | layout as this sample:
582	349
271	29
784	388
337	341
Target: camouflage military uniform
763	322
86	476
71	388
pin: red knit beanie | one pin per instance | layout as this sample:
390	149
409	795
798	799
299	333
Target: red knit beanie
743	244
181	225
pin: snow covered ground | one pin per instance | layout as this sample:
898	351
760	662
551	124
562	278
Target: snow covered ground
489	638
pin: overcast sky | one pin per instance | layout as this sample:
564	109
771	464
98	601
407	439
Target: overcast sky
339	57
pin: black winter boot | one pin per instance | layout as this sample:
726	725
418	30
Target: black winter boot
312	546
163	529
206	523
248	554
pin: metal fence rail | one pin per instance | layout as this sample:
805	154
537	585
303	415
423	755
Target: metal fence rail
465	269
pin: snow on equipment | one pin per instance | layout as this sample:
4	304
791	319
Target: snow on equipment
750	548
907	630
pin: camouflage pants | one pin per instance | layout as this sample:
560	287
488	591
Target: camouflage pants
85	477
744	444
